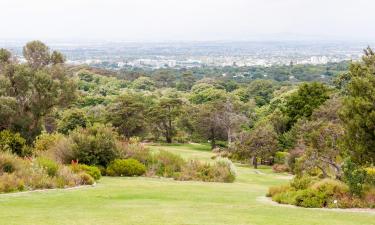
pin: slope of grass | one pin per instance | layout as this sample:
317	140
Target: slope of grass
164	201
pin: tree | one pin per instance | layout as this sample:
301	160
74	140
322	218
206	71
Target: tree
37	54
143	83
128	114
261	91
259	142
187	81
358	112
163	116
302	103
30	92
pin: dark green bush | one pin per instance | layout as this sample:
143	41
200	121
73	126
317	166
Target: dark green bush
50	166
96	145
93	171
354	177
126	167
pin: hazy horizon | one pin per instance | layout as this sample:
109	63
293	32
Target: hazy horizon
181	21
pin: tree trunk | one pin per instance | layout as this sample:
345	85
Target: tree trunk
255	162
213	139
168	139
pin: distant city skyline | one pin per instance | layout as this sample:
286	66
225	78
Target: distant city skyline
183	20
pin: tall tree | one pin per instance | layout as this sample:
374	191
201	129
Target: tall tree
358	113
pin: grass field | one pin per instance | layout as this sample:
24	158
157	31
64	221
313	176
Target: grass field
164	201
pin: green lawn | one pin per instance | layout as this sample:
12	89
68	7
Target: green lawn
164	201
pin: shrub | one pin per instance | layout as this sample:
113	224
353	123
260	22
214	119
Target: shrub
280	168
135	150
281	157
126	167
14	143
93	171
272	191
61	151
94	145
287	197
10	163
300	183
354	177
86	178
331	187
370	176
166	164
45	141
221	171
310	198
11	183
72	119
48	165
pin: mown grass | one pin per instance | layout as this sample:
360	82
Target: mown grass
165	201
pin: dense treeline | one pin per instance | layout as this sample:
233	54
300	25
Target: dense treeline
265	116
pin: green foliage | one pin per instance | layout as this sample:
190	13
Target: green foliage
93	171
166	164
72	119
310	199
302	103
45	141
354	177
143	83
86	179
14	143
370	175
128	114
358	113
126	167
50	166
300	183
95	145
281	157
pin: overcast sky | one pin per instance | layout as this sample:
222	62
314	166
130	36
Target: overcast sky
187	20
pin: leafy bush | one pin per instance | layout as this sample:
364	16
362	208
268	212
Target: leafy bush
285	197
93	171
354	176
370	176
50	166
61	151
310	198
221	171
45	141
126	167
166	164
331	187
135	150
281	157
301	183
94	145
29	174
86	178
274	190
71	120
280	168
13	142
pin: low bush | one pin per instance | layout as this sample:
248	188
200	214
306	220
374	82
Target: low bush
93	171
18	174
46	141
274	190
135	150
287	197
50	166
166	164
310	198
221	171
303	182
126	167
86	179
280	168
